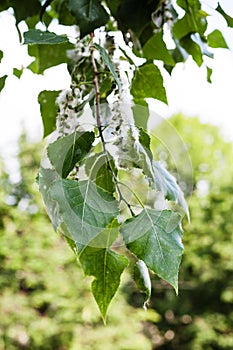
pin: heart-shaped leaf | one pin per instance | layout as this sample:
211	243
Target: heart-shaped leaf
155	237
85	208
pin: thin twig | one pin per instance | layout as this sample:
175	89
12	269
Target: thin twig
98	121
97	92
121	198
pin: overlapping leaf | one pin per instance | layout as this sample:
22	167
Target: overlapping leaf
46	179
142	280
140	113
155	49
48	110
47	56
36	36
108	63
101	169
158	175
191	22
65	152
192	49
63	13
22	9
106	266
148	82
139	155
89	14
166	183
155	237
85	208
228	18
133	15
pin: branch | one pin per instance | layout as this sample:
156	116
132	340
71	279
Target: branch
97	92
98	121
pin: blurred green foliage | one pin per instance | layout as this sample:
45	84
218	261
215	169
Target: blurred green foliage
46	304
183	137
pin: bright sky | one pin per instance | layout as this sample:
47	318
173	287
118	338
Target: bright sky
187	89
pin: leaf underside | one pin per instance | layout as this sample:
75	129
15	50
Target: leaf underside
142	280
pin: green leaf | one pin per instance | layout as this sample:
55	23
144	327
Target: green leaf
142	280
108	63
145	156
216	40
192	48
156	49
190	23
127	56
183	27
89	15
4	4
140	113
179	54
1	55
100	168
228	18
24	9
155	237
46	178
105	88
71	244
36	36
194	20
48	110
144	139
188	5
209	73
64	15
166	183
2	82
85	209
48	56
148	82
106	266
65	152
134	15
43	9
104	239
18	72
